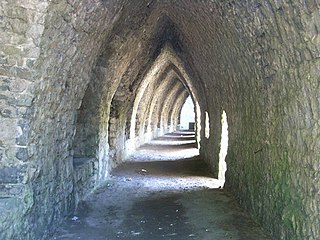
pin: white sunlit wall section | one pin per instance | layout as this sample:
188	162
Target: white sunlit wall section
187	116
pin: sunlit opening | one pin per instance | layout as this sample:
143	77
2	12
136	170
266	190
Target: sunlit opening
207	127
187	116
223	147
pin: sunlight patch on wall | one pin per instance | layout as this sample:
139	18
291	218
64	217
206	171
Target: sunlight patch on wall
187	117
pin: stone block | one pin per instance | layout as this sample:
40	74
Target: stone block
14	174
8	130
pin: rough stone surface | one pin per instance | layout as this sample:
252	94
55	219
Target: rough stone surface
96	79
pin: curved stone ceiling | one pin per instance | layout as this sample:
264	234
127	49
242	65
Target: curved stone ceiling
73	74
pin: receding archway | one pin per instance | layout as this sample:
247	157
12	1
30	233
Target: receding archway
166	60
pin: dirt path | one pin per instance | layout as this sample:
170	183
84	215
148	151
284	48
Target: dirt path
165	192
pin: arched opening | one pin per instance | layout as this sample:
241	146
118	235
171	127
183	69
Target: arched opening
223	147
187	115
207	125
85	149
87	127
116	136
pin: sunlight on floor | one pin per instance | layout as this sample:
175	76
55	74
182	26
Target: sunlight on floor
172	162
187	183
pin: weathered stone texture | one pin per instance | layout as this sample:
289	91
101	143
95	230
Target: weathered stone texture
21	28
84	176
94	79
269	87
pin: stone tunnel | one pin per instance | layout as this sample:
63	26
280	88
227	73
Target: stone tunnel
84	83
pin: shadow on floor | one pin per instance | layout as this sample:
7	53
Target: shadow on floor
187	167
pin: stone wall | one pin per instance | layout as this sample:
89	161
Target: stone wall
264	67
21	27
84	174
279	181
290	114
45	68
